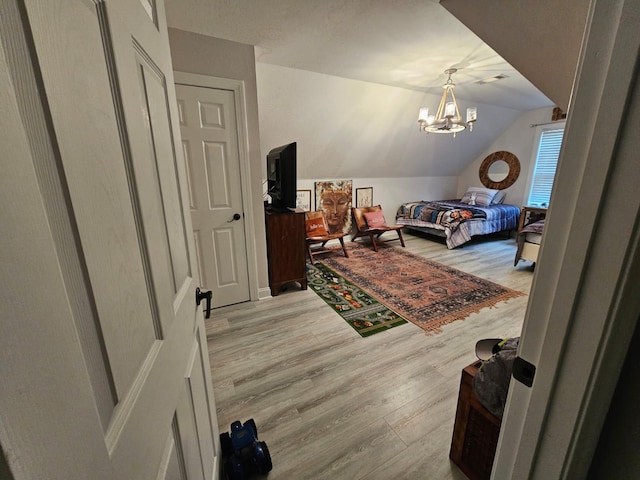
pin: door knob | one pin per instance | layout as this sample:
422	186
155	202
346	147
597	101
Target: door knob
236	217
200	295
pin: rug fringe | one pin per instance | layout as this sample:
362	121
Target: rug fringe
435	326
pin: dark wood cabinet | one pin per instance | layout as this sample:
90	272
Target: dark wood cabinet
475	432
286	249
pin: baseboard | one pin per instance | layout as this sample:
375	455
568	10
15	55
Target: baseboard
264	293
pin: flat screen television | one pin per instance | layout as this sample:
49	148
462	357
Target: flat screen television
281	176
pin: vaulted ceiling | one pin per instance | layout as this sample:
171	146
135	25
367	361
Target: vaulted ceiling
400	43
541	39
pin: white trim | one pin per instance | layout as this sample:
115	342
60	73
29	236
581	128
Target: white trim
237	86
534	152
264	293
532	162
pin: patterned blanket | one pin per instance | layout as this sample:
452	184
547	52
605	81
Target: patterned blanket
439	213
459	221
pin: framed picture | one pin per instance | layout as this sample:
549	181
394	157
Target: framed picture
303	200
334	198
364	197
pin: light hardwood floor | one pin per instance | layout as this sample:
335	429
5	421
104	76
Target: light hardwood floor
331	404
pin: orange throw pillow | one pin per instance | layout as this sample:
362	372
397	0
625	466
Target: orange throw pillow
315	228
375	219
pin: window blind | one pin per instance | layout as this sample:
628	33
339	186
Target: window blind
545	169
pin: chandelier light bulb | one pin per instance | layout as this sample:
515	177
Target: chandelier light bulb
450	110
423	114
472	114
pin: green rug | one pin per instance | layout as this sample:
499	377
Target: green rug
358	308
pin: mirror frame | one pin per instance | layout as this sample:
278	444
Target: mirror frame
514	170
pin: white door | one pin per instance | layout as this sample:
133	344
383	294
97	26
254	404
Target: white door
102	348
210	146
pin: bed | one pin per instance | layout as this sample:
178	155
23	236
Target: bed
457	220
480	211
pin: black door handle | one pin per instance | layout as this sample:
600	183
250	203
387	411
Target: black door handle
236	217
200	295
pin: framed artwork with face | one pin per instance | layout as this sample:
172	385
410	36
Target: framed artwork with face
334	198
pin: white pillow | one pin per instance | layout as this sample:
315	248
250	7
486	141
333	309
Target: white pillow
499	198
479	196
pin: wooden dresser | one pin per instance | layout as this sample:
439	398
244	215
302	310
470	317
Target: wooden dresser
286	248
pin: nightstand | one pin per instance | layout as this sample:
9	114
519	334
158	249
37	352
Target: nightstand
529	215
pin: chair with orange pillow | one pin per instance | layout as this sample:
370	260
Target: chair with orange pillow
317	232
370	222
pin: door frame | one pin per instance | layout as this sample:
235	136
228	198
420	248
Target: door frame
238	88
584	305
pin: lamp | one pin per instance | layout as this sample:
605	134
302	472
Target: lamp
447	119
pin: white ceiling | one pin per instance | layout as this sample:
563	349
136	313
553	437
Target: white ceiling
401	43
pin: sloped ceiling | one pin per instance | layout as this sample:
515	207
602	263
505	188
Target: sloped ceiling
541	39
398	43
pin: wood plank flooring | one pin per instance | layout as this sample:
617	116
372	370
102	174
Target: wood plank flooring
331	404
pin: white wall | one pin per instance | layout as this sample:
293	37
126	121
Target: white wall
518	139
352	129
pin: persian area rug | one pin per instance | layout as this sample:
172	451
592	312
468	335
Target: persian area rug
358	308
424	292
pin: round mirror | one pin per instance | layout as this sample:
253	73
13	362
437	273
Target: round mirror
499	170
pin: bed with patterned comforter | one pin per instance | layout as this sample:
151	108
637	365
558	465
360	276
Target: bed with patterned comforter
457	221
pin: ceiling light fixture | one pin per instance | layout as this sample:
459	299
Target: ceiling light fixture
447	119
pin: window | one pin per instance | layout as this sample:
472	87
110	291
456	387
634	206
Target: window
545	166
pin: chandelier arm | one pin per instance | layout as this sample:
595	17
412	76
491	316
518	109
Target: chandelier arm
441	108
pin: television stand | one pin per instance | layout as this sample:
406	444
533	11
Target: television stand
286	248
281	210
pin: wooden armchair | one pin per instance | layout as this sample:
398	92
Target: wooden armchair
370	222
317	232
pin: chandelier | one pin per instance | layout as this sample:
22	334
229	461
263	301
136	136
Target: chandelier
447	119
